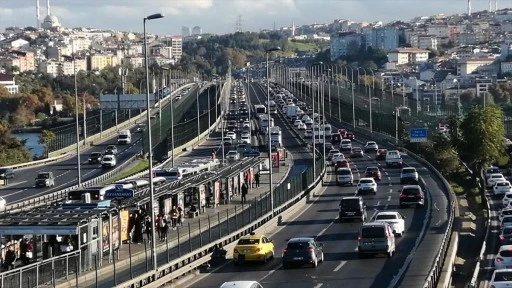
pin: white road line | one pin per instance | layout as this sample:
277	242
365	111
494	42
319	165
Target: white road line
390	191
322	232
386	173
378	203
389	198
386	207
357	248
339	266
318	285
389	178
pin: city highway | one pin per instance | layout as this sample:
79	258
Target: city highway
22	187
342	267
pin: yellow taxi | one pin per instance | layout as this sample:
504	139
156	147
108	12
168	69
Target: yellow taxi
253	247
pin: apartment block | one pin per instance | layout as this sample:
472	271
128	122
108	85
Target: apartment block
386	38
427	42
470	65
402	56
100	61
56	68
9	82
25	61
342	42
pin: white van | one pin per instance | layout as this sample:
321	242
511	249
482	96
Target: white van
124	137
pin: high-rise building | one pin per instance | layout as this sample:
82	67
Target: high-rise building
343	42
185	31
196	30
386	38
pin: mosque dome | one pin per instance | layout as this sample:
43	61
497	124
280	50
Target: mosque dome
50	21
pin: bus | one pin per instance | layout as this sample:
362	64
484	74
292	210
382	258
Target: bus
260	110
97	193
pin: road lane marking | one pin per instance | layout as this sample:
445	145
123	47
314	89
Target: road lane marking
389	198
339	266
378	203
390	191
322	232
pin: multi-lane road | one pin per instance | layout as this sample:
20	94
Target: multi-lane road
342	267
22	187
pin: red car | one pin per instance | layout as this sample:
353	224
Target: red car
373	172
341	164
381	154
342	132
350	135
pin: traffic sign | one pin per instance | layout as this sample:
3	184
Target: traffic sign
418	134
119	192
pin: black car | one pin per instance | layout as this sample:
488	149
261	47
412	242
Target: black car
301	251
352	207
412	195
381	155
6	173
95	158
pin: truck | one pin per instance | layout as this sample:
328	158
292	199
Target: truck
276	135
264	122
124	137
291	112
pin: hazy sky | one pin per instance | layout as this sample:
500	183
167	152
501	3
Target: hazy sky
219	16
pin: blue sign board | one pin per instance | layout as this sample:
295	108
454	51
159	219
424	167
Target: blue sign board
119	192
418	134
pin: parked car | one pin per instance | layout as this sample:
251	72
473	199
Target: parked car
300	251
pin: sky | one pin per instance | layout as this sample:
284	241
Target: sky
219	16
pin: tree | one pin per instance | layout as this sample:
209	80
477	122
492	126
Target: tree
467	97
454	131
68	105
131	88
4	92
444	155
45	138
482	136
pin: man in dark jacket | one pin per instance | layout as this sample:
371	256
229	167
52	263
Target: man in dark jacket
245	190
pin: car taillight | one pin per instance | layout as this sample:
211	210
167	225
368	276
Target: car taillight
257	250
403	195
311	249
419	195
502	237
358	237
499	259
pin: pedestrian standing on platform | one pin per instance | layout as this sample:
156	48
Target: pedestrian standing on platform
148	228
180	215
174	217
245	190
164	226
257	178
159	225
208	195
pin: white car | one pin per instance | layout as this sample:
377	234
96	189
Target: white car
245	134
491	170
506	221
331	153
308	134
302	126
108	161
393	218
246	124
309	121
503	259
231	135
493	178
337	157
297	123
504	212
246	139
371	146
507	199
501	187
367	185
232	155
346	145
501	278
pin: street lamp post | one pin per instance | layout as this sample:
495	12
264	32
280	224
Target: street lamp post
270	142
150	152
353	99
397	111
77	123
370	98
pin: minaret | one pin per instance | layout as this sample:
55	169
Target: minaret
37	15
48	7
469	7
490	5
495	5
293	29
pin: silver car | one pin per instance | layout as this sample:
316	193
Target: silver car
376	238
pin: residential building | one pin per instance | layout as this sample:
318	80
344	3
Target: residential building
9	82
343	43
402	56
97	62
441	31
17	44
56	68
177	47
427	42
196	30
386	38
134	61
506	67
25	61
470	65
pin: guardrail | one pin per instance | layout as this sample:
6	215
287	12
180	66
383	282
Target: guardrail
62	153
474	279
437	268
61	194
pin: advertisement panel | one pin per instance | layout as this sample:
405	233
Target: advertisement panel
115	232
125	218
202	195
216	192
275	160
105	236
282	153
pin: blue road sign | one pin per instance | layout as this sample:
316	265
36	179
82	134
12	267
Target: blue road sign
418	134
119	192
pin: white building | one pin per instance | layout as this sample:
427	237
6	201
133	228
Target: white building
8	82
18	44
402	56
470	65
506	67
56	68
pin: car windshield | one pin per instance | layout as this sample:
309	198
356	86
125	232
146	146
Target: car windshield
410	191
123	136
507	230
385	217
496	176
503	276
365	181
43	176
493	170
3	170
371	143
344	172
356	150
111	147
408	170
297	245
248	241
502	184
347	203
373	232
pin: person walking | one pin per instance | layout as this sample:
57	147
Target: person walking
148	228
257	179
9	259
245	190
